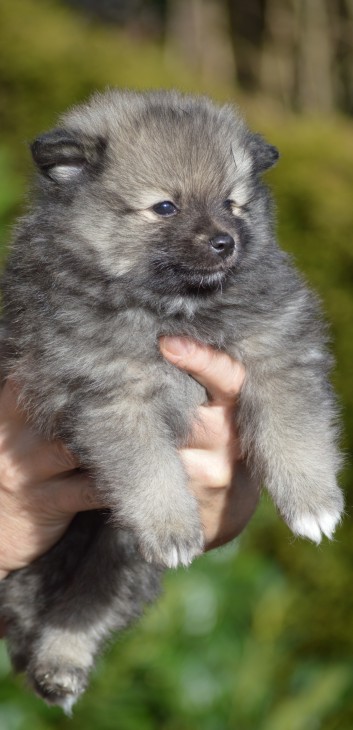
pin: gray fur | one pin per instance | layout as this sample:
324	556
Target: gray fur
94	278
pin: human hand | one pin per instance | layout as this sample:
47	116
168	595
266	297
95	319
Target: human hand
226	495
40	487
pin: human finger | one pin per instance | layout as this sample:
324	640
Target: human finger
207	469
214	429
69	495
215	370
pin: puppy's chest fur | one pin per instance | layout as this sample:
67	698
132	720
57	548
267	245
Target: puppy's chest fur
69	346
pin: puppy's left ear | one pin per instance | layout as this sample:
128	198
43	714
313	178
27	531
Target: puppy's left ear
264	155
62	156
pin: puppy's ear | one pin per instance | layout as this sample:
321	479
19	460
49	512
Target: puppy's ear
264	155
62	156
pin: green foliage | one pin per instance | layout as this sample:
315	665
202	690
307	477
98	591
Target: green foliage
11	191
51	57
258	635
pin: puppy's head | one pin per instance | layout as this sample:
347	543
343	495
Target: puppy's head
164	187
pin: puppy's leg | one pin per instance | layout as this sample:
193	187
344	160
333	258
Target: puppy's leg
26	594
138	467
287	425
108	589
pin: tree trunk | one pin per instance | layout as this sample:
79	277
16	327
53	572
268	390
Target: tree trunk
197	31
247	22
315	61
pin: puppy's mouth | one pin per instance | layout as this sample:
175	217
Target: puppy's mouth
176	278
204	278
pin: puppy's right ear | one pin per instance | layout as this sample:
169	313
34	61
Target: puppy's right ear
61	156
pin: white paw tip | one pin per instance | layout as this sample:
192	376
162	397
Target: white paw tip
307	526
180	556
312	526
185	558
328	522
67	704
172	555
173	558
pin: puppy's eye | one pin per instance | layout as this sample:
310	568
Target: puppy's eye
165	208
232	206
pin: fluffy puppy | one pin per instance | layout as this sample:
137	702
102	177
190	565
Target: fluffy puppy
150	218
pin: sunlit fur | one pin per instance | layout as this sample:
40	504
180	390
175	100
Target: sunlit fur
94	278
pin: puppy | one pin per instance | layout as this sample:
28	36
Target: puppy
150	218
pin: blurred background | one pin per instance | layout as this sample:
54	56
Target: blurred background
257	635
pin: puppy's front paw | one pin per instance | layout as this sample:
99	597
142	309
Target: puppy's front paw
314	526
174	549
166	525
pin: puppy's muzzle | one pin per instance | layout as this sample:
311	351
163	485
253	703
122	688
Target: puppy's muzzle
222	245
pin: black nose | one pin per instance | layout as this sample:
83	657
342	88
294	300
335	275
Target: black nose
222	244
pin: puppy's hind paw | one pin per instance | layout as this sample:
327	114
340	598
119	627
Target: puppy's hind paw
314	526
59	685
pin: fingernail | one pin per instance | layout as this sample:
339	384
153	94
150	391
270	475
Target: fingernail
177	346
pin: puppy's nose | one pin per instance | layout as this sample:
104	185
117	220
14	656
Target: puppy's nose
222	245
